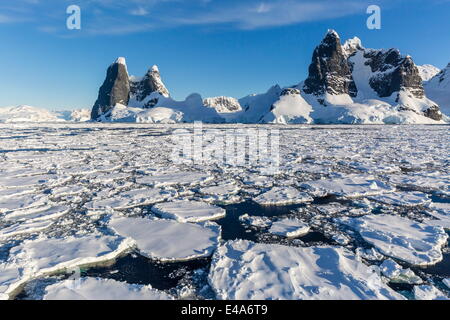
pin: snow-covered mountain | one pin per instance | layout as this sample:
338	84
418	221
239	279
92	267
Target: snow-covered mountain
131	99
428	71
26	113
438	89
223	104
347	83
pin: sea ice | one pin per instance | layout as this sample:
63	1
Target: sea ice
102	289
402	198
349	187
290	228
401	238
428	292
396	274
169	179
168	240
256	221
243	270
282	196
188	211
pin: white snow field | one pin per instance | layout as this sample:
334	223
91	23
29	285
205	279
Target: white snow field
109	199
101	289
244	270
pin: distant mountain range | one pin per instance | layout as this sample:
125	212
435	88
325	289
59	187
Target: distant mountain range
347	83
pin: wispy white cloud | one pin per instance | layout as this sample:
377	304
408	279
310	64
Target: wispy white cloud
131	16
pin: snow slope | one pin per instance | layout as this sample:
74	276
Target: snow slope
438	89
26	113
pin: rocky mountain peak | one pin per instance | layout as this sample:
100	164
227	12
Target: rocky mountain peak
114	90
149	84
330	71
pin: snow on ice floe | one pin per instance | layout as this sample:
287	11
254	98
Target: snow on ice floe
283	196
129	199
168	240
255	221
349	187
45	212
428	292
290	228
401	238
24	228
243	270
169	179
400	198
396	274
12	203
102	289
188	211
441	214
436	181
43	256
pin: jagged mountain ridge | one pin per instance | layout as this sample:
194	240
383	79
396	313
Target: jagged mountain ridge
347	83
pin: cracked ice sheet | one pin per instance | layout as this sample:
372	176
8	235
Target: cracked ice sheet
352	186
12	203
188	211
43	256
24	228
243	270
401	238
168	240
400	198
283	196
102	289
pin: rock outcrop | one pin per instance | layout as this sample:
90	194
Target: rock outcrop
330	71
223	104
115	89
151	83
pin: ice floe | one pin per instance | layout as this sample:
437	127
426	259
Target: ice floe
102	289
129	199
255	221
188	211
396	274
290	228
282	196
169	179
168	240
403	198
44	256
401	238
243	270
428	292
348	187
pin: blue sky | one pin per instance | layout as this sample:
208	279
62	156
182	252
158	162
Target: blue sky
213	47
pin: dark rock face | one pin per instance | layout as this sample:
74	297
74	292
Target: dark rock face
394	73
290	92
330	71
115	89
149	84
434	113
